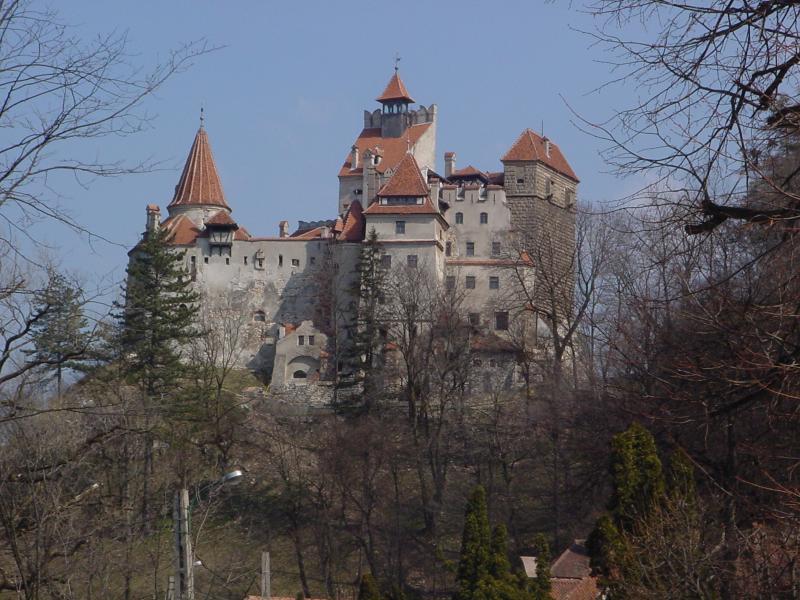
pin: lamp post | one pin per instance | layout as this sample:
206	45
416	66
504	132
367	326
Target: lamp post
184	558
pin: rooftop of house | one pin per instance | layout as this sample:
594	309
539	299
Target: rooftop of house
395	91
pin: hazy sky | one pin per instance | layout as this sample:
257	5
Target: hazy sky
284	98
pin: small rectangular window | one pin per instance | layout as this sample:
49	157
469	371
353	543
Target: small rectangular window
301	340
448	248
494	283
470	282
470	248
280	260
474	319
311	340
194	260
459	218
400	227
495	248
205	259
313	260
227	260
501	321
412	261
245	260
386	261
295	262
261	263
450	282
484	218
520	180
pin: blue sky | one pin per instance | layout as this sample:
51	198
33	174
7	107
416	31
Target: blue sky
284	98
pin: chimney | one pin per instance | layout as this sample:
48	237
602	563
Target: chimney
283	229
547	147
449	163
436	186
153	218
354	157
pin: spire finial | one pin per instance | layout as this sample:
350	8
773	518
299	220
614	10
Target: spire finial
397	59
202	116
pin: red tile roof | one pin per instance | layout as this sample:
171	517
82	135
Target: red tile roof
393	149
222	218
395	90
308	234
571	575
531	147
468	171
574	589
200	183
407	180
181	230
426	208
354	226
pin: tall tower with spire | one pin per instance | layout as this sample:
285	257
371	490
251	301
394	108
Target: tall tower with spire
389	133
199	194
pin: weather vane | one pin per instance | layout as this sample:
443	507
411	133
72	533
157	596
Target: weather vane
397	59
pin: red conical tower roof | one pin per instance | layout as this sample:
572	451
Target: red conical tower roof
395	90
200	183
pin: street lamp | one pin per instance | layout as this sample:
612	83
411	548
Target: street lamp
184	559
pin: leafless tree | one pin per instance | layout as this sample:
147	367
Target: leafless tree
715	87
60	95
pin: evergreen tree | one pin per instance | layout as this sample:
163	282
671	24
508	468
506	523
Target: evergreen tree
158	318
540	586
364	355
637	477
368	590
474	561
59	335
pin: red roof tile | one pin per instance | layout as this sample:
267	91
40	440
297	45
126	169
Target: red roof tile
407	180
531	147
395	90
181	230
222	218
426	208
354	227
468	171
574	589
308	234
200	183
394	149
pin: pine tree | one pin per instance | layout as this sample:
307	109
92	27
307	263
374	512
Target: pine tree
474	560
158	318
368	590
540	586
364	355
59	335
637	477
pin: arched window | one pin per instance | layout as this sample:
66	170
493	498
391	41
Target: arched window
484	218
260	316
299	374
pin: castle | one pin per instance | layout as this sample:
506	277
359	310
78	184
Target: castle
463	226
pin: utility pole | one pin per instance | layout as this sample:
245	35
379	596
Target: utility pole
184	561
266	592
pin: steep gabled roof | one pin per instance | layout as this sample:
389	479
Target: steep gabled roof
530	146
395	90
407	180
200	183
